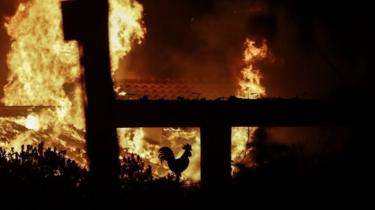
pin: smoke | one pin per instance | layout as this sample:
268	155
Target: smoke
313	140
189	41
318	48
8	7
323	48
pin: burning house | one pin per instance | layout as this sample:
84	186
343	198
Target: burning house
57	92
33	64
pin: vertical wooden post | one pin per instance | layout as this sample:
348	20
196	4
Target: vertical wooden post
88	21
215	157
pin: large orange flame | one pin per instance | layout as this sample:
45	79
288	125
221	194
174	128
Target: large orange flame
250	87
45	71
249	84
125	27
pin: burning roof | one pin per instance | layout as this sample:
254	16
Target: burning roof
154	90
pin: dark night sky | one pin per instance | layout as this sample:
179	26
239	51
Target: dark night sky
318	48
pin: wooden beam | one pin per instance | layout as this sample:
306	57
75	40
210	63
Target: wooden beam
264	112
21	111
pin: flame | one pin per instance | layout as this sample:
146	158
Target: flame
176	137
41	64
45	71
134	140
249	84
32	122
125	28
250	87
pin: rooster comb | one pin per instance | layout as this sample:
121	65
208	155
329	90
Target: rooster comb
187	147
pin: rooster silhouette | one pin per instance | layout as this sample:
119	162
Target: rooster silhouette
177	166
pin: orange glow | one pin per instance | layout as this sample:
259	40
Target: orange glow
45	71
32	122
249	87
125	28
147	142
249	84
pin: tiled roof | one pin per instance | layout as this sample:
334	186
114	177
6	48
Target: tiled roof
169	90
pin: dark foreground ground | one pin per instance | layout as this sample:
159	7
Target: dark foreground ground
40	178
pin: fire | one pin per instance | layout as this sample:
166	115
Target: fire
125	28
176	137
40	62
250	87
134	140
147	142
249	84
45	71
32	122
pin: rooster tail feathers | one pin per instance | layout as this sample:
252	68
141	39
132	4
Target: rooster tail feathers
165	153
